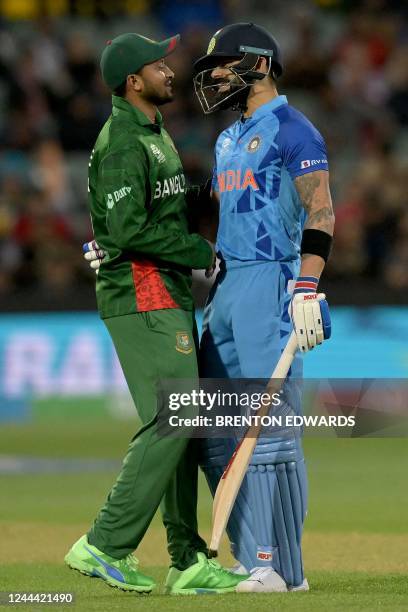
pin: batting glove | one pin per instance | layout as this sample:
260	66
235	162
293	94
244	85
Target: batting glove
93	254
310	315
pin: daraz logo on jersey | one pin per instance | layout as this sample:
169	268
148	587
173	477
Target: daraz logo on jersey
235	180
117	195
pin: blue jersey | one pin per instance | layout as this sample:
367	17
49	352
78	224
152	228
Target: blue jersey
257	160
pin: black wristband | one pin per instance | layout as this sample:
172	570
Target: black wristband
316	242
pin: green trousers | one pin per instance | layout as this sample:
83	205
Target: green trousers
157	470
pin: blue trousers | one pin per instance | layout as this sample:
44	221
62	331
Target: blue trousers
245	328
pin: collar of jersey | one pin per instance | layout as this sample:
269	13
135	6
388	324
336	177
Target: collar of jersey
120	105
266	108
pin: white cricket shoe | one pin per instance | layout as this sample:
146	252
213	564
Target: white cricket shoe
302	587
262	580
239	569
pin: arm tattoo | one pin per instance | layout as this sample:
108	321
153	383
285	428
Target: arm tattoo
316	201
321	219
306	186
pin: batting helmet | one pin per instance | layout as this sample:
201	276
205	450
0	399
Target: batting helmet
246	42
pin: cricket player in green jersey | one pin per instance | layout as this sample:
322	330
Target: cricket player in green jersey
139	208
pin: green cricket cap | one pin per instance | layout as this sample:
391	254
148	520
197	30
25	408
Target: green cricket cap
127	53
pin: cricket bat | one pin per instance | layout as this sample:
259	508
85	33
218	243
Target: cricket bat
234	473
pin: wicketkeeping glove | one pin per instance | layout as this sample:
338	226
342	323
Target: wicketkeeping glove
93	254
310	315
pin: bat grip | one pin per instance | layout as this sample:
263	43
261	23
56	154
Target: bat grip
212	553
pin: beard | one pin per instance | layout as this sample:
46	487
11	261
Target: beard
158	98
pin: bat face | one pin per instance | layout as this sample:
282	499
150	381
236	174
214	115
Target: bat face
234	473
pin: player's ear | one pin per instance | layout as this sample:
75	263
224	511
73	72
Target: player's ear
135	82
262	65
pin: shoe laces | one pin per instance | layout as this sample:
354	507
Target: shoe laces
258	573
215	566
132	561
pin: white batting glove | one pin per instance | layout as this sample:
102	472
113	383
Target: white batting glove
310	315
93	254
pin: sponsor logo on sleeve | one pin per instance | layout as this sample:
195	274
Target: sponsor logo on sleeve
117	195
307	163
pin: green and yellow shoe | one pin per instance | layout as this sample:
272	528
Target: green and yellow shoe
204	577
120	573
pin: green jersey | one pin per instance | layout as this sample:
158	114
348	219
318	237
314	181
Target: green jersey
138	201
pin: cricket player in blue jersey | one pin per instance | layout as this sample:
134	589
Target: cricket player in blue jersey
275	231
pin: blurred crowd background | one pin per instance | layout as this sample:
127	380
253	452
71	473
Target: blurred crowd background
346	68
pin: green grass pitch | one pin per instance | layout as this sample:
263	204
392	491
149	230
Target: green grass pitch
355	543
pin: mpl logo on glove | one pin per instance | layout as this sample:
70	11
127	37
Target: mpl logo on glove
310	296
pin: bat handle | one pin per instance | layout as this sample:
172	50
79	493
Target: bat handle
212	553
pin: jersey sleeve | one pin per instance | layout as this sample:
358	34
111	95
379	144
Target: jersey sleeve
124	180
302	147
